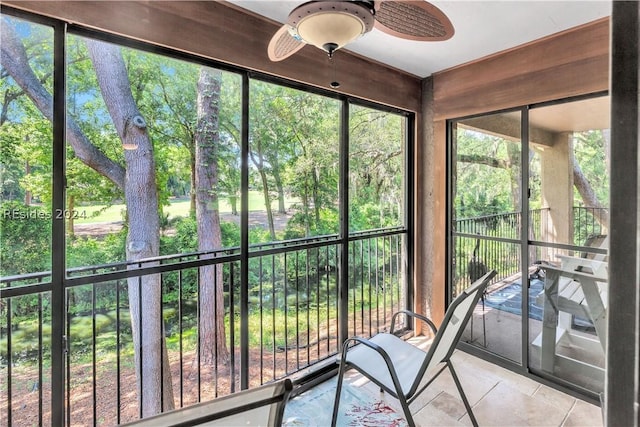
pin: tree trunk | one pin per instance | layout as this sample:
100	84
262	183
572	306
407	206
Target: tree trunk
267	203
589	196
258	160
316	202
27	193
233	201
192	189
305	209
279	187
143	239
513	151
70	220
211	297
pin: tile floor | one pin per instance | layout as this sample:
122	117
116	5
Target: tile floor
498	396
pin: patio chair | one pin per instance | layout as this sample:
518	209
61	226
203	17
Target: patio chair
576	289
403	370
260	406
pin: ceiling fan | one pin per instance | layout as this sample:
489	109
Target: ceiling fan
330	25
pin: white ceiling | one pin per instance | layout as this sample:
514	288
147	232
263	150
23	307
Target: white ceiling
481	28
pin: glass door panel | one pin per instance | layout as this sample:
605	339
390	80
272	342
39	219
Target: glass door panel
486	227
567	232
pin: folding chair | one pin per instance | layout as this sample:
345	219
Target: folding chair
403	370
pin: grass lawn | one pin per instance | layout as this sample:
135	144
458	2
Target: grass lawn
176	208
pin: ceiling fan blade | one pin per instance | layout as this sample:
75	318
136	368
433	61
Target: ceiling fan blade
283	45
413	20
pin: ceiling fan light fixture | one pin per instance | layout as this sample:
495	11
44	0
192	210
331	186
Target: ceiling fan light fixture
330	25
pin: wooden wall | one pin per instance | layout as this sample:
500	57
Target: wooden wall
223	32
574	62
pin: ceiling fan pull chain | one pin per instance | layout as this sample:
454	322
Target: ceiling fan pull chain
334	83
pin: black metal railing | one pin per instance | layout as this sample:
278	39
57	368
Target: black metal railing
589	222
497	239
293	320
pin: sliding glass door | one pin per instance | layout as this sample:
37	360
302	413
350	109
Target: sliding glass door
568	229
529	199
486	226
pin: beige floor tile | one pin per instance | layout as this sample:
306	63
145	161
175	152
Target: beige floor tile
562	401
450	405
506	406
584	414
430	416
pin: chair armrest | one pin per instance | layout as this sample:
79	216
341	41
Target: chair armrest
576	275
415	315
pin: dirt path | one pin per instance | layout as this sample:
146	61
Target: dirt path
256	219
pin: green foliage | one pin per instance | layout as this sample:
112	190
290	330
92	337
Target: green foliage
376	169
329	221
590	150
25	238
481	188
370	216
84	251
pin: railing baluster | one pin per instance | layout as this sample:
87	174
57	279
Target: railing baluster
296	265
317	307
94	385
361	286
391	303
273	313
9	362
118	368
215	330
68	355
40	356
286	315
384	282
232	329
261	325
161	343
369	283
307	304
354	286
180	343
327	273
140	347
377	288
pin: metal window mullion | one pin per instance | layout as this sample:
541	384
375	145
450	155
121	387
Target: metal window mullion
244	237
57	232
343	247
524	234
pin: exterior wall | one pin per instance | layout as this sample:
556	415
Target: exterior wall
557	189
430	249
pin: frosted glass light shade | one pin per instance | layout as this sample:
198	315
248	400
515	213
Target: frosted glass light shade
337	28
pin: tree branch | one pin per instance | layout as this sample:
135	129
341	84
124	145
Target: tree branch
483	160
14	60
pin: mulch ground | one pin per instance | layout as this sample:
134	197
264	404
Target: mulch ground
188	386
